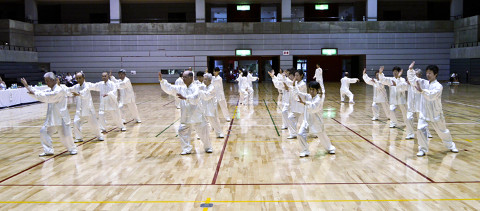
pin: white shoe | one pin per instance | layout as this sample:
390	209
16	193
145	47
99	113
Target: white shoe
221	135
331	152
123	129
304	154
352	102
284	127
410	136
429	136
228	120
101	138
393	125
185	152
374	118
45	154
292	137
78	140
420	153
139	121
209	150
103	130
73	152
454	150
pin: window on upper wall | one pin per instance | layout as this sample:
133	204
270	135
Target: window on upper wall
298	14
269	14
219	15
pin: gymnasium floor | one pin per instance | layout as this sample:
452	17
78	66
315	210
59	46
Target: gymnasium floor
253	168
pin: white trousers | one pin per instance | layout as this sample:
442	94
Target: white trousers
92	122
65	133
215	123
177	102
223	105
348	93
285	123
293	122
116	116
393	118
410	121
185	135
324	140
132	108
376	109
441	130
320	81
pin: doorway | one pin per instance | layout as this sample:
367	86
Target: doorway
332	66
231	66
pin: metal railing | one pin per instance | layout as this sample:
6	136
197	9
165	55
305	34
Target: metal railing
465	44
17	48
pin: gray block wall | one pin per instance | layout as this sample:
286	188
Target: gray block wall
148	54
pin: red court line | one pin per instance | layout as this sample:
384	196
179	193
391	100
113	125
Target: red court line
214	180
35	165
410	167
241	184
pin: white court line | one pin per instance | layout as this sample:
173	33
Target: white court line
448	101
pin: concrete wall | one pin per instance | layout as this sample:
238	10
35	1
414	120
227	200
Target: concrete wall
467	30
17	33
148	48
18	56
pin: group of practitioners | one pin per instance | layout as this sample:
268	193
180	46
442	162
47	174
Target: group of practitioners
198	101
58	117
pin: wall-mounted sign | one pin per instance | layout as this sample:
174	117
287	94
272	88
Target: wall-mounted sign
329	51
321	6
243	52
243	7
286	53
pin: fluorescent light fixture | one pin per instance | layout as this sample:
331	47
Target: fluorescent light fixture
243	52
243	7
321	6
329	51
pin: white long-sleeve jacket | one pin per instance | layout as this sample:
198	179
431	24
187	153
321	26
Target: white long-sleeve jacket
296	91
108	103
209	101
217	81
278	83
126	90
413	99
243	83
431	97
84	100
379	92
250	79
319	74
397	92
313	113
190	109
57	111
345	81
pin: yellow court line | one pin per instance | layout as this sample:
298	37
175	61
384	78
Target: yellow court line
206	202
250	201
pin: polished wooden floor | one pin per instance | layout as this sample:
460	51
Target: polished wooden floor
254	168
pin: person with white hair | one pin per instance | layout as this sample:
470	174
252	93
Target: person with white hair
319	77
209	104
85	109
345	88
379	94
414	104
58	118
218	83
191	114
179	82
108	102
127	96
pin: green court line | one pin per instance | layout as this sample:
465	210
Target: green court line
271	117
167	128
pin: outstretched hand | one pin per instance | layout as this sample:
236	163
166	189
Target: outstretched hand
418	87
380	71
300	100
364	70
400	73
411	65
394	83
75	94
181	96
159	76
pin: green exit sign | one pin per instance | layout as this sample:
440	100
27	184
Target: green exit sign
329	51
243	52
321	6
243	7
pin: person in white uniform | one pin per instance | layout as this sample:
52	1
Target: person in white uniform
200	78
108	102
218	83
398	98
250	80
3	86
431	111
178	82
209	104
345	88
297	109
58	118
127	96
414	103
191	114
312	119
244	90
279	82
379	94
85	109
319	77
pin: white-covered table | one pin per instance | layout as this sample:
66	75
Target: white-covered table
12	97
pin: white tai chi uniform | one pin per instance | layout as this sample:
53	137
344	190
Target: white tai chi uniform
296	108
379	96
209	107
250	79
285	101
178	82
319	78
58	119
85	111
191	115
313	123
398	98
127	96
430	111
108	104
345	88
244	90
413	106
218	83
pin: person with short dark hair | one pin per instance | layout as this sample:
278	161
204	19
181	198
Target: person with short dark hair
127	96
312	121
250	79
379	94
279	82
218	83
319	77
431	109
345	88
298	88
244	89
